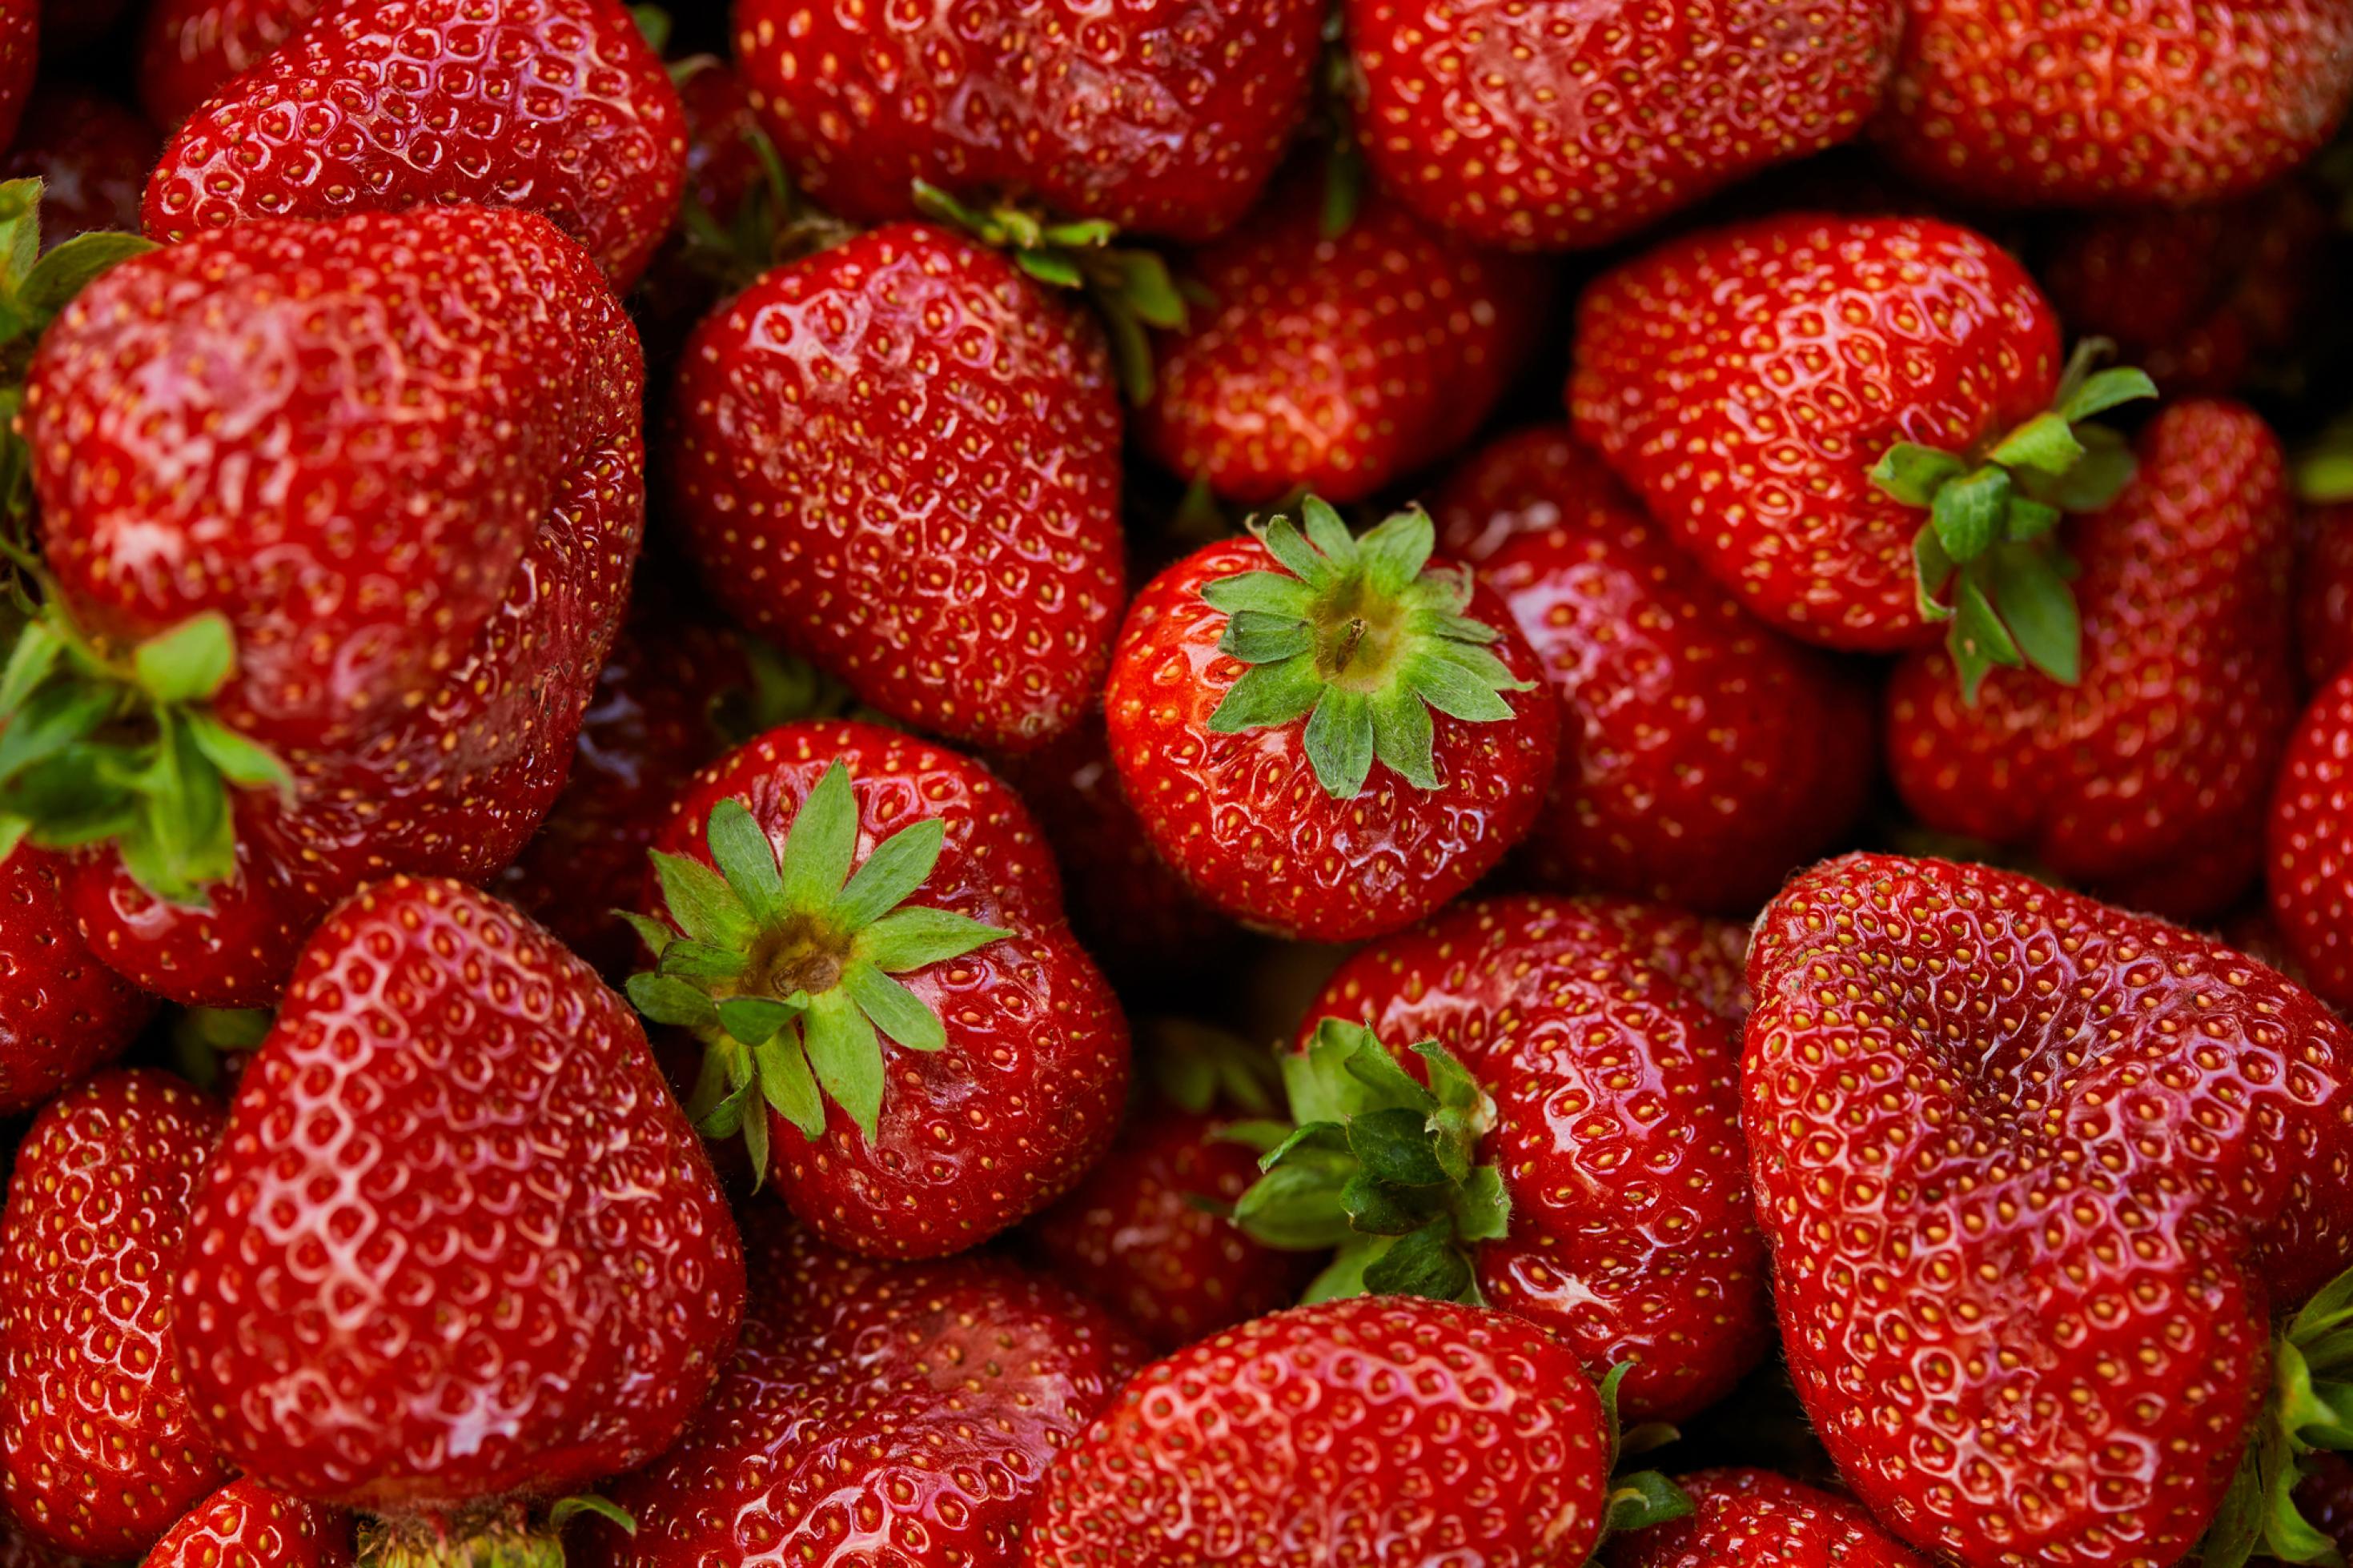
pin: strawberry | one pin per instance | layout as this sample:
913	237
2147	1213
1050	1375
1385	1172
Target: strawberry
1166	119
92	156
1552	1063
272	740
188	49
1336	363
379	107
1754	1518
2104	102
1270	711
2310	872
246	1525
1708	958
98	1446
1551	125
2165	744
1705	755
890	1413
1784	396
62	1012
2024	1281
458	1243
1008	1056
2324	589
898	458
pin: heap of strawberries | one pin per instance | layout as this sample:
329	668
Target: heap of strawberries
1285	784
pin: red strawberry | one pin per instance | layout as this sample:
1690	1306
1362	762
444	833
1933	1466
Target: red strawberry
1707	957
1553	125
92	156
1167	119
899	459
1270	714
1754	1518
2311	842
1334	362
188	49
2024	1279
62	1012
246	1525
1786	395
1705	755
2113	102
2165	744
1006	1056
421	720
97	1441
457	1245
2324	589
893	1414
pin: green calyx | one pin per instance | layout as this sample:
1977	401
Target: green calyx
1196	1067
1361	637
1637	1499
784	964
2309	1411
502	1537
1987	560
2324	474
1378	1167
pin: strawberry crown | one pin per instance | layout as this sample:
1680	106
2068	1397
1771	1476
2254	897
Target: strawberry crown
1986	558
784	964
2309	1411
1196	1067
1362	638
504	1536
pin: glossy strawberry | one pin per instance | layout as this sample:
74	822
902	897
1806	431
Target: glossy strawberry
458	1243
188	49
246	1525
559	106
1708	958
866	931
92	156
62	1012
99	1446
1754	1518
2029	1323
2310	873
1550	125
2165	746
2099	102
899	459
1703	755
2324	589
1327	737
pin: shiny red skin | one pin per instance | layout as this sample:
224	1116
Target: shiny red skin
2025	1282
557	106
1703	755
2310	874
2115	101
188	49
1615	1129
898	458
1754	1518
1706	957
1370	1431
2167	746
1336	364
1242	818
1164	118
62	1012
246	1525
2324	591
898	1414
499	533
92	156
1743	380
975	1138
1550	126
20	28
458	1243
99	1445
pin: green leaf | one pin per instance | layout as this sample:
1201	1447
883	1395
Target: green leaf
1267	695
1051	267
746	860
2027	520
1394	550
666	1000
751	1122
52	719
2044	443
1393	1146
1425	1263
2238	1527
1318	1081
1977	641
1345	1276
1294	1208
1936	570
1375	1208
656	935
566	1510
787	1087
2098	477
914	935
73	266
701	902
1390	1086
755	1019
1913	474
701	961
1144	282
818	845
1256	637
1287	545
29	663
2039	609
188	663
1321	1145
1644	1499
2105	390
1339	742
896	868
1402	736
240	761
1268	593
1968	512
893	1009
846	1057
1482	1208
1449	686
1326	531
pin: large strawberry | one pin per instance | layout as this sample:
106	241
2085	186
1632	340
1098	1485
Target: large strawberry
1708	958
1569	123
62	1012
458	1245
835	885
1703	755
899	459
559	106
2036	1172
99	1446
246	1525
1789	394
244	559
1754	1518
92	156
188	49
1327	736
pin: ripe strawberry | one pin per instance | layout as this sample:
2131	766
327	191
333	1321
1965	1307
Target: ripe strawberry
2024	1281
422	722
1336	363
899	459
2324	589
2311	842
1705	755
1550	126
1167	119
381	106
2165	745
246	1525
1786	395
92	156
458	1243
1558	1064
2097	102
900	1413
98	1445
1270	711
1708	958
1008	1056
188	49
62	1012
1754	1518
